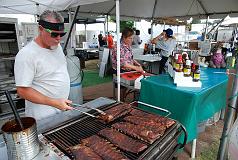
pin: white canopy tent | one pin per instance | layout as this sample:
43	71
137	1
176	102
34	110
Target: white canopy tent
148	9
138	9
36	7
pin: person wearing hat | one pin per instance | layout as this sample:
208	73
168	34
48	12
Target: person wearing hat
40	69
166	42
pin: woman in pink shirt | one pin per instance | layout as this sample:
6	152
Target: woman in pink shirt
127	63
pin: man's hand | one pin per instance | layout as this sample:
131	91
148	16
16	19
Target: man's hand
154	40
63	104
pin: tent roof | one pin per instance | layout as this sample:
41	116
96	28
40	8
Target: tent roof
35	7
137	9
143	9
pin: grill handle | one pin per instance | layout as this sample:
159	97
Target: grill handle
152	106
185	136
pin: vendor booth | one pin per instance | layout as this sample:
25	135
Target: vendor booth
188	106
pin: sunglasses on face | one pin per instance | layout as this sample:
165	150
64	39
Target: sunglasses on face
55	34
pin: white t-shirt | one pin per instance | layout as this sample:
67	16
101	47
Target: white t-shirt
136	41
166	46
44	70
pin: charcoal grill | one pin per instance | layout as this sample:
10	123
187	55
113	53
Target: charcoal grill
70	133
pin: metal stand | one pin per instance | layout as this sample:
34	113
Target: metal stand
228	119
194	144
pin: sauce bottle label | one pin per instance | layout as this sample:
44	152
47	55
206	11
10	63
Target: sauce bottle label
196	76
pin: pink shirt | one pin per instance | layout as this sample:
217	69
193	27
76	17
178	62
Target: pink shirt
125	57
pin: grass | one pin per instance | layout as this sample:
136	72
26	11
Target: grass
210	153
91	78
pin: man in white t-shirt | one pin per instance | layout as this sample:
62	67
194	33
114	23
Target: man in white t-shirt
166	42
136	40
41	74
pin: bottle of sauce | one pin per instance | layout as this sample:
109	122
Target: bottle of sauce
179	64
187	69
185	57
175	60
196	74
192	68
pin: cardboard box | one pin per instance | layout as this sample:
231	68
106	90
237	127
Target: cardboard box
193	46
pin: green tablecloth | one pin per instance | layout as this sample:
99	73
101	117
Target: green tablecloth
189	106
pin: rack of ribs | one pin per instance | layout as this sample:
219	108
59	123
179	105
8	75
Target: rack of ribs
138	131
148	123
157	118
82	152
122	141
117	111
103	148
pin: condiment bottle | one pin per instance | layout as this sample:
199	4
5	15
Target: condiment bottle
187	69
192	68
175	60
196	74
179	64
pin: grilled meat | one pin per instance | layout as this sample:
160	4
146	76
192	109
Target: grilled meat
139	131
82	152
142	121
156	118
148	123
123	141
103	148
106	118
117	111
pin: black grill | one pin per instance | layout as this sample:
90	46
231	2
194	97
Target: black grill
71	133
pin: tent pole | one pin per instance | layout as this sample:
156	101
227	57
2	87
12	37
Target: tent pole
104	24
152	19
118	49
151	34
107	30
85	31
107	24
205	33
71	28
73	31
228	119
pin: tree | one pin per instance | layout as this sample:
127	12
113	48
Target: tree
123	24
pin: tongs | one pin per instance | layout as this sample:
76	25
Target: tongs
85	106
103	116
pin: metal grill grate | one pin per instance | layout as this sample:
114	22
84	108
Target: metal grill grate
70	135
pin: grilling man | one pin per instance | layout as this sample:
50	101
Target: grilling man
41	74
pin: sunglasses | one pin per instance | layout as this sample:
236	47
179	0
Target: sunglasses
55	34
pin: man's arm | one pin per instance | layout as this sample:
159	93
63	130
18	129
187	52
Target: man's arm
156	39
34	96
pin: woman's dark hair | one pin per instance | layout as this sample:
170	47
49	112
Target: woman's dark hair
127	32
